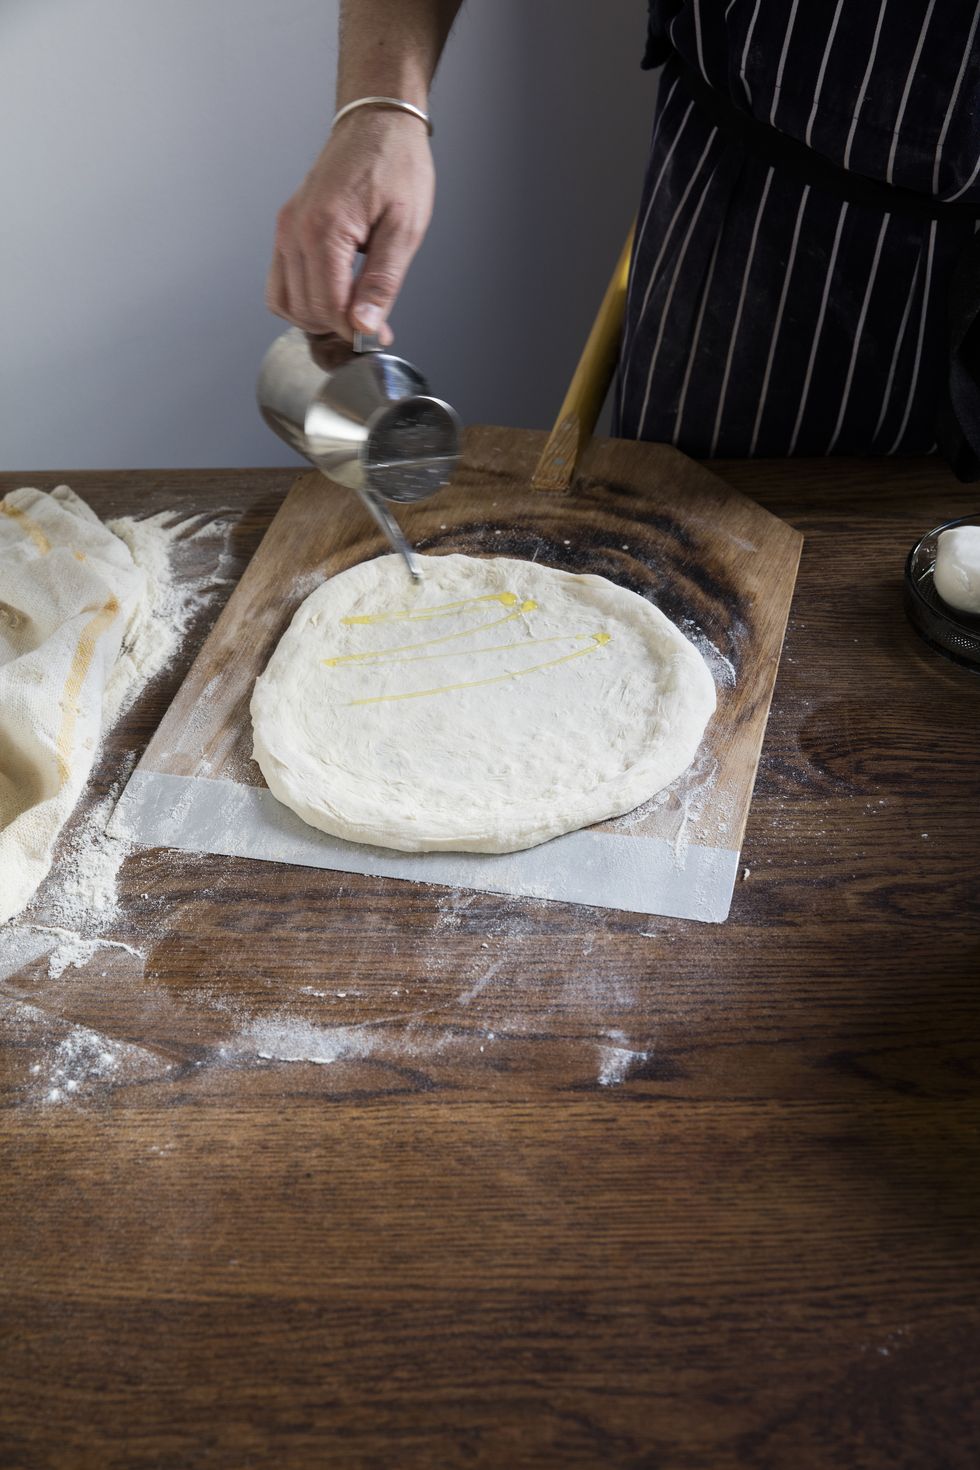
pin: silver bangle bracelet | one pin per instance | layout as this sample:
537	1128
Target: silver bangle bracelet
394	104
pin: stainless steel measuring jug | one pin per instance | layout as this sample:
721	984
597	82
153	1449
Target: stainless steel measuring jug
364	417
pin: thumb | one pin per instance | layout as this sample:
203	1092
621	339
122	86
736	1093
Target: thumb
389	253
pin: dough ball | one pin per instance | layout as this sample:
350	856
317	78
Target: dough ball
957	574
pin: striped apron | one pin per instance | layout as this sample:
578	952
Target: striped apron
766	316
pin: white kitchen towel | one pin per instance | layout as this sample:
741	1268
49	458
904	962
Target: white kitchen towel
68	589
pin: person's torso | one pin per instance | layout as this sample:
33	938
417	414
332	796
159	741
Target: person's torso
887	88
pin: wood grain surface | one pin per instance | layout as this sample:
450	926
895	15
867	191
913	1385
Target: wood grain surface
575	1189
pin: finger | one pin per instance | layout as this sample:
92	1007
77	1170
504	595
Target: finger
330	279
294	237
276	298
295	275
389	253
286	277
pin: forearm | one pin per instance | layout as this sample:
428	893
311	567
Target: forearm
390	48
370	190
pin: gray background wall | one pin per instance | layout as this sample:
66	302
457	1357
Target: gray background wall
147	147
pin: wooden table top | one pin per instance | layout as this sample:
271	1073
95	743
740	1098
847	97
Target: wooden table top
562	1187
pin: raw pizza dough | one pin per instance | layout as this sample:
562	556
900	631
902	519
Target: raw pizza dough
495	705
957	573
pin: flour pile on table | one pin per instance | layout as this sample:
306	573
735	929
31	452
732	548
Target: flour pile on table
83	1057
75	911
161	616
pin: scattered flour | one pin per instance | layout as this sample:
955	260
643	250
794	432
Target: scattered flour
323	994
74	951
616	1062
73	1060
84	1057
289	1039
85	893
481	983
79	900
71	951
676	813
161	618
452	906
722	669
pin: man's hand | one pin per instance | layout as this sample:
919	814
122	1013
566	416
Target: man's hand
370	190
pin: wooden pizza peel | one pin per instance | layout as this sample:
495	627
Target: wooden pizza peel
643	515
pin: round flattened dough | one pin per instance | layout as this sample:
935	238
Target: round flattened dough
494	705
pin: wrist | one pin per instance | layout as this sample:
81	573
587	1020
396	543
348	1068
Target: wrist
406	83
376	113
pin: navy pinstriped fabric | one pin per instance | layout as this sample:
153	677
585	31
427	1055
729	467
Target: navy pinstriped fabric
766	316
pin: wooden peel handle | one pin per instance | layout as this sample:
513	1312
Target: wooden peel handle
589	386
